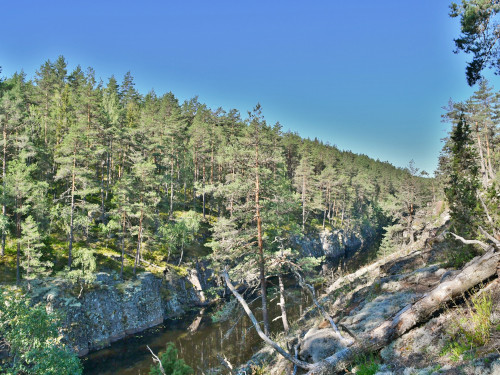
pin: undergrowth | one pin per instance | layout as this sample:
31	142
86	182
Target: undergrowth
366	364
470	328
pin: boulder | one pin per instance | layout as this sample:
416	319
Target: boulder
318	344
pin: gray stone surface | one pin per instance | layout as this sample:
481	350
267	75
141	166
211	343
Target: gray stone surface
110	309
318	344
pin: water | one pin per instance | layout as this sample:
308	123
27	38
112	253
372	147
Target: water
197	338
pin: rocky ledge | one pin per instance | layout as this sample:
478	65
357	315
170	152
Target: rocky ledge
111	309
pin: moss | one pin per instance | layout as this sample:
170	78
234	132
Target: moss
166	294
179	271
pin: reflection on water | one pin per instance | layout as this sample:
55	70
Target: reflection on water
197	339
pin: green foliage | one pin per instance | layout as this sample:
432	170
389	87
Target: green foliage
85	266
258	370
471	329
463	179
458	254
145	174
33	337
469	163
476	324
455	349
392	240
31	244
225	312
366	364
478	35
172	364
181	233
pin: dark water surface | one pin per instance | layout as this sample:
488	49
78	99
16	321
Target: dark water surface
197	339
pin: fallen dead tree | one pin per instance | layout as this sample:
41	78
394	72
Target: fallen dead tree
262	335
473	273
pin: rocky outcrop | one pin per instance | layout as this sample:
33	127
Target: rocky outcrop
398	304
333	244
110	309
318	344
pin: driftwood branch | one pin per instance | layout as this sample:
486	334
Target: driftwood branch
262	335
156	359
470	242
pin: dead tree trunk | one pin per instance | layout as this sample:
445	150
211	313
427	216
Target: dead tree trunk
476	271
284	318
262	335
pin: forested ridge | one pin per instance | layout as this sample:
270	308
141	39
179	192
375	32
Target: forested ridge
84	161
99	177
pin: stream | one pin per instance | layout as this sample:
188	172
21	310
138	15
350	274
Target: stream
197	338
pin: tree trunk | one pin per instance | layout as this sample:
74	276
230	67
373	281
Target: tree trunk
262	335
263	285
103	207
484	172
171	209
303	202
139	242
70	247
203	187
123	244
286	328
488	160
476	271
18	235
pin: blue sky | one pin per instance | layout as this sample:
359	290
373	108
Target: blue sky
367	76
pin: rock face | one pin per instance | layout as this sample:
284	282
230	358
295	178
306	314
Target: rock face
111	309
333	245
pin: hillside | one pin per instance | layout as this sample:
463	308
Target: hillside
462	336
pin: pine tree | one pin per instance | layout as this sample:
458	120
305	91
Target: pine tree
72	156
145	198
31	244
463	183
22	192
305	183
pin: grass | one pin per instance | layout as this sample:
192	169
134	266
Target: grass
455	350
471	328
366	364
476	324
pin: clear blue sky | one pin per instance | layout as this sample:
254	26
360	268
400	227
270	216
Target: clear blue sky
368	76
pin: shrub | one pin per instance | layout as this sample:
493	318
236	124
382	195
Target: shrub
33	338
171	363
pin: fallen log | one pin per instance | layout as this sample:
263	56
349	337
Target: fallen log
473	273
262	335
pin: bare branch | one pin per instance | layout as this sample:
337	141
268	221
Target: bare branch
156	359
310	289
485	209
470	242
489	236
224	362
264	337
